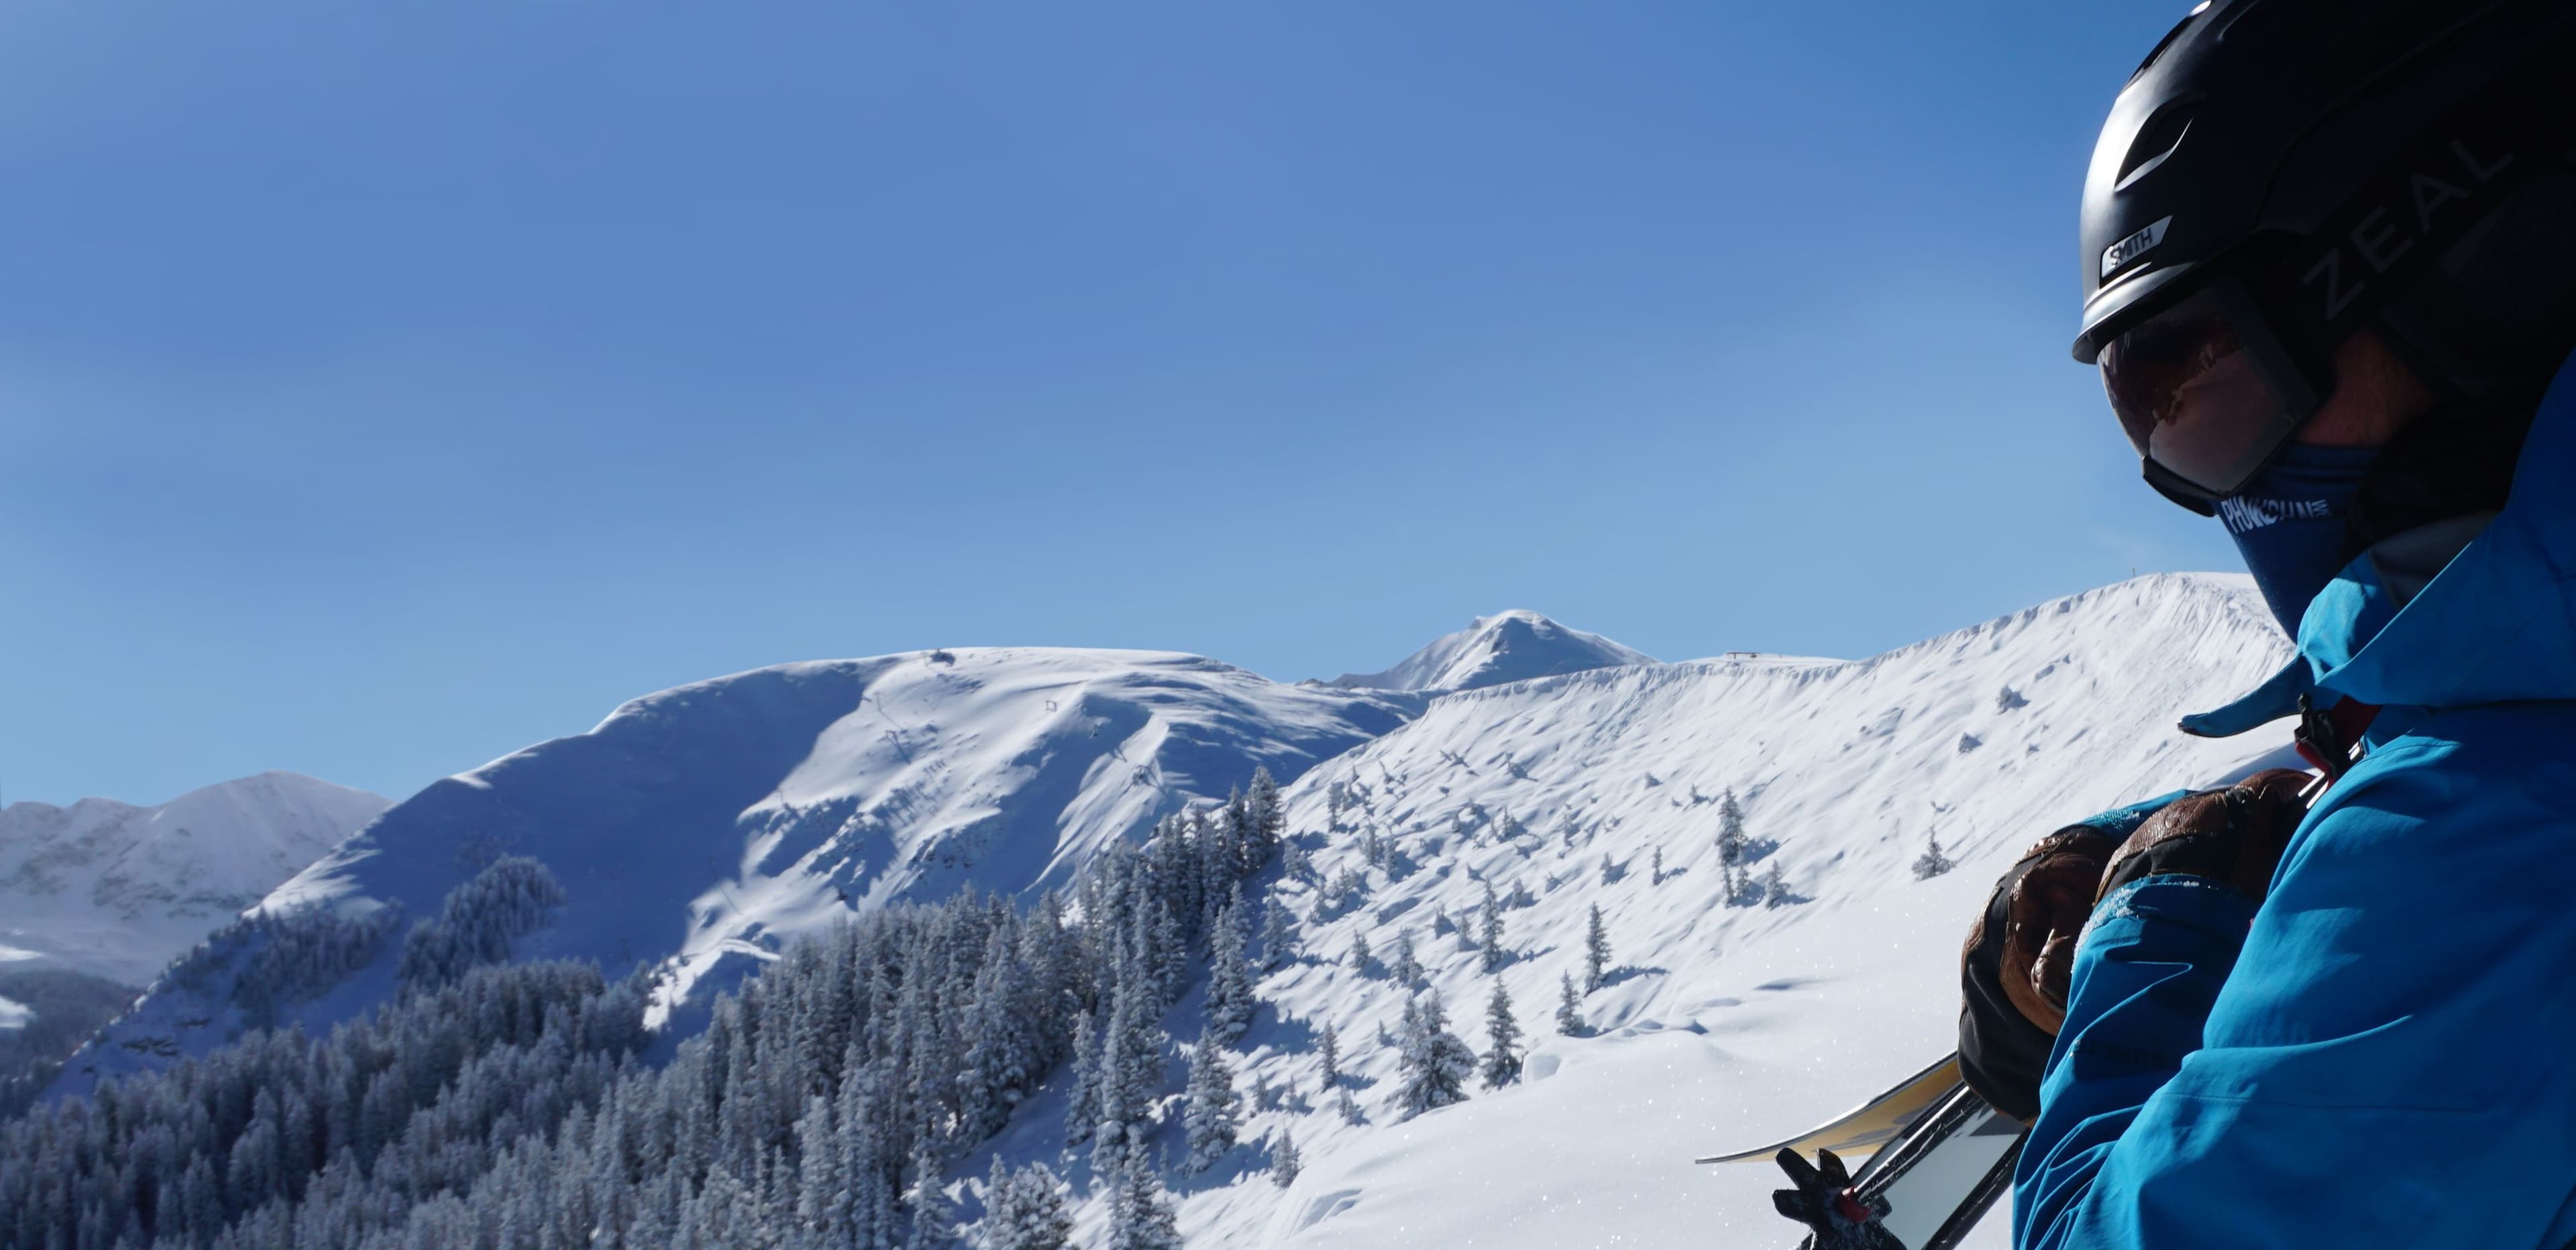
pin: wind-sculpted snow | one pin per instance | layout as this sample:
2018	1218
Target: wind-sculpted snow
1492	650
704	827
116	891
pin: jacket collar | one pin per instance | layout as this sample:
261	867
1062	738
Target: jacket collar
2495	624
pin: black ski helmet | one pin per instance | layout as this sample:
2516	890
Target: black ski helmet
2300	169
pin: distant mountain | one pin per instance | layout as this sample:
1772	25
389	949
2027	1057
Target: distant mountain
702	828
1505	647
116	891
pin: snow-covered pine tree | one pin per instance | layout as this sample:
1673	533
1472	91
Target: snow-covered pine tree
1730	850
1933	863
1140	1212
820	1209
1221	855
1265	822
1002	1058
1775	888
1503	1036
1131	1070
1331	1056
1083	1113
1609	869
1658	875
934	1226
1348	1107
1284	1163
1408	966
1569	1007
1596	951
1024	1210
1361	955
1210	1121
1489	931
1275	939
1230	999
1347	887
1265	1096
1169	953
1432	1065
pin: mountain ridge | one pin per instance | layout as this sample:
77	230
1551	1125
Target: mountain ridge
698	829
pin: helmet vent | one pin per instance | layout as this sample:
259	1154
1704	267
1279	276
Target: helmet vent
2157	140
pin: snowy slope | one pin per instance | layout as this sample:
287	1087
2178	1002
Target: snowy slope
115	891
704	826
1505	647
1723	1027
701	826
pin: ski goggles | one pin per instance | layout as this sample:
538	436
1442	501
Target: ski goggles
2206	393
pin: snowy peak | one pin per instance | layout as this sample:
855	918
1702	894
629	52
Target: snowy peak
1505	647
116	890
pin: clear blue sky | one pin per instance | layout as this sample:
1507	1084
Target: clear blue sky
384	387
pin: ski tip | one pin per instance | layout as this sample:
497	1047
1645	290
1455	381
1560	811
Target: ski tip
1866	1127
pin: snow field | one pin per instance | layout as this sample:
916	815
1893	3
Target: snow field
1721	1026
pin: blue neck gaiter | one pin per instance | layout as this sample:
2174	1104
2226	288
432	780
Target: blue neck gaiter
2289	523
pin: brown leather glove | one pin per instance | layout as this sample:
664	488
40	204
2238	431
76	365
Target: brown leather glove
2017	962
2233	836
2020	957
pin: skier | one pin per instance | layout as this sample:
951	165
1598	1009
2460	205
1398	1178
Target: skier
2329	256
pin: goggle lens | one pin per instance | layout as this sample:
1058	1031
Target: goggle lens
2192	398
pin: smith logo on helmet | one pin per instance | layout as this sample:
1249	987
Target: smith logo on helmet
2397	218
2133	247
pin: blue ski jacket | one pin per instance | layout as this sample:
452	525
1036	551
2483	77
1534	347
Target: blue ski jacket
2384	1054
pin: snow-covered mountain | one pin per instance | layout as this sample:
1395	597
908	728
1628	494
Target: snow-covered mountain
116	891
1722	1026
1505	647
704	827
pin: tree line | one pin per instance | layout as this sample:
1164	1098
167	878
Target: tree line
491	1105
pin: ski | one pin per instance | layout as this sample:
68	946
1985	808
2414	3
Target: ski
1940	1159
1868	1126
